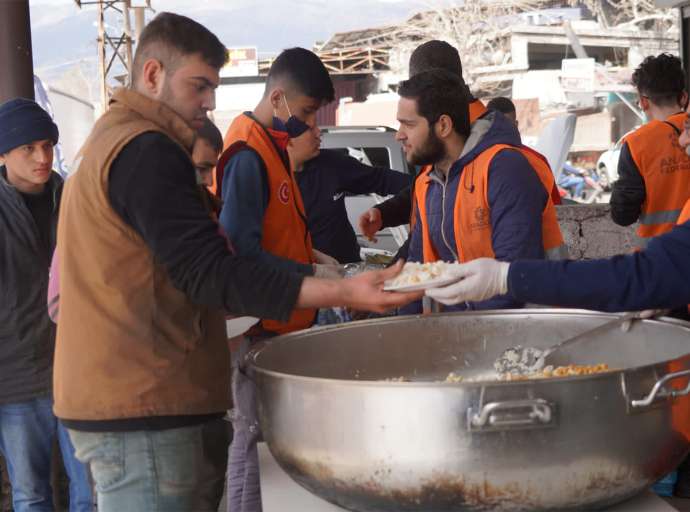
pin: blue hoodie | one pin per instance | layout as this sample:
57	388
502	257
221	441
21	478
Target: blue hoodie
516	198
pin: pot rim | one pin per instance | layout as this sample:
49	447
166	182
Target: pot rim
255	352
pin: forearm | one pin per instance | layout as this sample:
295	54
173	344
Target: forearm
152	188
284	264
396	210
320	293
500	302
658	277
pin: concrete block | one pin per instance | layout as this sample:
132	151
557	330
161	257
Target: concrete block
590	233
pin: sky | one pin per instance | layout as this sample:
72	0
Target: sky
62	33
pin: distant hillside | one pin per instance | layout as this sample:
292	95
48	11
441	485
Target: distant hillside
63	34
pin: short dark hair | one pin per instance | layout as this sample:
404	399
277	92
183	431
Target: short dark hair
661	79
304	72
211	134
169	36
502	104
435	54
438	92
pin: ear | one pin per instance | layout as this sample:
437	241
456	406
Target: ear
153	76
275	97
684	100
444	126
644	103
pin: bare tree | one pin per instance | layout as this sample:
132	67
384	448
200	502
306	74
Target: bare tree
480	29
610	13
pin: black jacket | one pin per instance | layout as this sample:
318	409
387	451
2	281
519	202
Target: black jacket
27	335
324	182
629	191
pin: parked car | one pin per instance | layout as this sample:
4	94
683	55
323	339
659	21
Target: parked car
607	164
372	145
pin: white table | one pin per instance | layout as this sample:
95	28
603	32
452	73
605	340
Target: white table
279	493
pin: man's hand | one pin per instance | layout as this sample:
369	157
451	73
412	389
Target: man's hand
370	223
324	259
478	280
364	292
328	271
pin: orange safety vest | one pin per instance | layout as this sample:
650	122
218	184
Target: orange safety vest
685	213
477	110
665	168
472	212
284	227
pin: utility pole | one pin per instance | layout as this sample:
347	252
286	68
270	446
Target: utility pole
115	48
17	76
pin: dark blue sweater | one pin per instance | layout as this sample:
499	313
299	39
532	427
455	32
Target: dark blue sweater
516	199
658	277
324	181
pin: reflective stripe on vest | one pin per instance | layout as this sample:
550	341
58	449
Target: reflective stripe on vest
472	216
663	217
665	169
557	253
640	242
284	229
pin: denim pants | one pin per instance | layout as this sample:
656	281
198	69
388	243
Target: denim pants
172	470
244	487
27	432
574	184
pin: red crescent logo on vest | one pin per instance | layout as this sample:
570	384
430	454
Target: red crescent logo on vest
284	192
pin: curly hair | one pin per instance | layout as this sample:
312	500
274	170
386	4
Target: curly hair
661	79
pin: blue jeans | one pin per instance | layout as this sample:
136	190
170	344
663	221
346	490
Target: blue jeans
27	432
155	470
573	184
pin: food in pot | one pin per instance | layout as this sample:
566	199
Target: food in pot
559	371
454	377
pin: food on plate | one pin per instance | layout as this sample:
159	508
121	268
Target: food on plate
420	273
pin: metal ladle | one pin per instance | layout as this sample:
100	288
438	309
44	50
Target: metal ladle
521	360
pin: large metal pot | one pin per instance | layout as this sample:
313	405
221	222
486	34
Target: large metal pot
567	443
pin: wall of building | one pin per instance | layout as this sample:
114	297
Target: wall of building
590	233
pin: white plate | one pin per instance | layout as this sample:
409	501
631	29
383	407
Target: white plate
239	325
432	283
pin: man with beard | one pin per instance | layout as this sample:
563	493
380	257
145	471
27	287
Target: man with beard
396	211
482	195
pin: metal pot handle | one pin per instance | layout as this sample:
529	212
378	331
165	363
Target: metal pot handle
518	414
658	391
